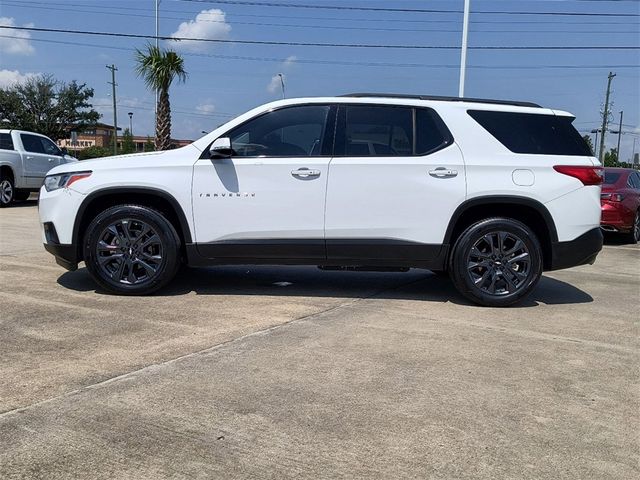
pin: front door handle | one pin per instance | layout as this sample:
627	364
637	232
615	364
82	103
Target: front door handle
305	173
443	172
50	160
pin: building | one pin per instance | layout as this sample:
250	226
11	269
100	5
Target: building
101	135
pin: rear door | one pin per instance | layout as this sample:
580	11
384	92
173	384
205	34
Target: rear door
394	183
40	156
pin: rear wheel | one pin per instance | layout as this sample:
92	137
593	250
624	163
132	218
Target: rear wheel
7	190
496	262
131	250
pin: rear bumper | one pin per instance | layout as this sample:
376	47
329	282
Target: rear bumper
581	251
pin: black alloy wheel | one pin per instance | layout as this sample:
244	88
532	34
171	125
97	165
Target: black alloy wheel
496	262
131	249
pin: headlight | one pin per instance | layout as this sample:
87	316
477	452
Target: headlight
63	180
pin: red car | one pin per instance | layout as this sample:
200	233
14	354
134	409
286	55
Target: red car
620	202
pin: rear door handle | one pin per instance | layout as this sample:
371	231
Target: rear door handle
305	173
443	172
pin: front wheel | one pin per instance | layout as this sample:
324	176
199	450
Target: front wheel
496	262
131	250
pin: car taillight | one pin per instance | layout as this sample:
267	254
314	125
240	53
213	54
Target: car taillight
612	197
587	175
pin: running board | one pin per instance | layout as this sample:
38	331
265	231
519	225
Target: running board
362	268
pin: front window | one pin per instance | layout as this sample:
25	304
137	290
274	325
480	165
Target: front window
37	144
286	132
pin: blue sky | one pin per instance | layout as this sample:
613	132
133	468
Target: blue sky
227	79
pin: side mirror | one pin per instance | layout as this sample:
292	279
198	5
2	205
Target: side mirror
221	148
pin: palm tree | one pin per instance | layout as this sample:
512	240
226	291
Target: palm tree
159	68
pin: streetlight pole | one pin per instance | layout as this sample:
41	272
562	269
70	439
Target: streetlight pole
463	52
282	84
155	107
130	123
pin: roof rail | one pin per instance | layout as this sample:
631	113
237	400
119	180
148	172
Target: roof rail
443	99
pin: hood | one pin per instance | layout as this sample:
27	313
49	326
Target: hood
141	159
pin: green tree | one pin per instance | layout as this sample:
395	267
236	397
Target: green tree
148	145
94	152
159	68
45	105
587	139
127	142
611	158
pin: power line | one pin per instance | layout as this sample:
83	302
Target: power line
325	27
403	10
27	4
318	44
347	62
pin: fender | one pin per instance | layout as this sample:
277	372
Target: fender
502	200
184	225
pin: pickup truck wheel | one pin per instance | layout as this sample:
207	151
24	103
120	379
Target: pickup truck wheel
131	250
7	191
496	262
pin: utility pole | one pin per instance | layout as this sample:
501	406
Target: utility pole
115	110
463	52
605	116
619	134
155	107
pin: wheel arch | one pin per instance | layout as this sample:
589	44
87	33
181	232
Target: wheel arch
8	168
526	210
146	196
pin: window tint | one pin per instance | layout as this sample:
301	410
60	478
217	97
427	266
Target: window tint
6	143
287	132
49	147
533	133
634	180
32	143
431	133
378	131
611	178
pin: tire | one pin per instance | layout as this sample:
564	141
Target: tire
22	195
634	235
131	250
7	191
480	255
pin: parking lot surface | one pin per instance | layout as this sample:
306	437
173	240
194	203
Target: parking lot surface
293	372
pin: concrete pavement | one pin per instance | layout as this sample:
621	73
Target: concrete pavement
229	374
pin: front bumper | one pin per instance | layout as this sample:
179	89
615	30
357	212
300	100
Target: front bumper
66	255
581	251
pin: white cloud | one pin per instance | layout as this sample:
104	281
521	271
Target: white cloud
290	60
19	44
11	77
274	84
206	108
209	24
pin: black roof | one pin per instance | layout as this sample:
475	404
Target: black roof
444	99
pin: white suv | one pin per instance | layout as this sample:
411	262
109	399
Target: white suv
491	192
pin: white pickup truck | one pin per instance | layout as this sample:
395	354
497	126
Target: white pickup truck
25	159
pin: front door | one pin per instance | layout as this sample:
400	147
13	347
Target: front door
267	201
394	183
40	156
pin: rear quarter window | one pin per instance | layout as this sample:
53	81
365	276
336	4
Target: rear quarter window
533	133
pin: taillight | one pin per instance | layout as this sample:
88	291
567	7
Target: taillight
587	175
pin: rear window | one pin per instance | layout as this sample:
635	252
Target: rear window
611	178
533	133
5	141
